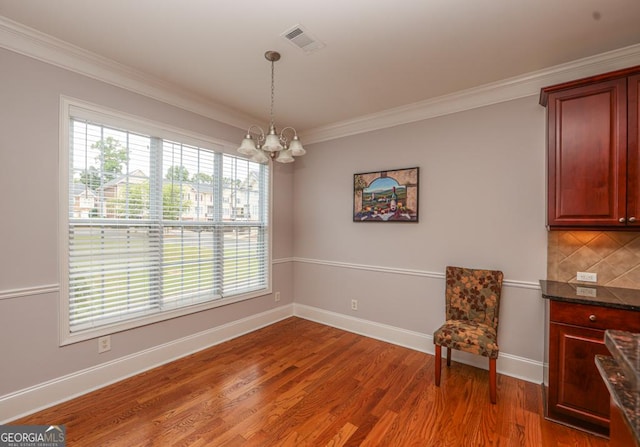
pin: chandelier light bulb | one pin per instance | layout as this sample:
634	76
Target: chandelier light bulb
260	157
296	147
248	146
272	143
285	156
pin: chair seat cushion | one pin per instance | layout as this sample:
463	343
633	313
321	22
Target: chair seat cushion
468	336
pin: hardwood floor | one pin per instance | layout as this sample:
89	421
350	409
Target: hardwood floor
299	383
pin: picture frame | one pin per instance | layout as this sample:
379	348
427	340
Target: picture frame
386	196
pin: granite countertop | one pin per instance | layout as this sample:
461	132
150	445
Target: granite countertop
615	297
621	374
625	349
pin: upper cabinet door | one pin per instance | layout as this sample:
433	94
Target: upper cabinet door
633	151
587	155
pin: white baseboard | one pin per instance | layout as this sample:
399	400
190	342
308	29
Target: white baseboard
44	395
61	389
508	364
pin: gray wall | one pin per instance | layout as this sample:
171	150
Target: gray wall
482	204
29	116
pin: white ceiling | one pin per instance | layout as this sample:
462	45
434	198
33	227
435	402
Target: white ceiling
379	54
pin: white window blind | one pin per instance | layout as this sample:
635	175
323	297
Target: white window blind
157	225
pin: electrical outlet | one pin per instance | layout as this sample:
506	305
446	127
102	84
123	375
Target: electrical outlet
104	344
587	277
354	304
276	297
586	291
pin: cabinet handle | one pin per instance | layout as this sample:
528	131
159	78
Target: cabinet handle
632	219
592	317
621	220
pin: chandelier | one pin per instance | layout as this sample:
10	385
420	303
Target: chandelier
260	147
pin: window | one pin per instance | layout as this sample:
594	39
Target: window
138	249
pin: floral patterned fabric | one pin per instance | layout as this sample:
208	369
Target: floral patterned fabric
470	337
473	303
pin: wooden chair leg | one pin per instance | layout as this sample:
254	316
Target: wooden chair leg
438	363
492	380
448	356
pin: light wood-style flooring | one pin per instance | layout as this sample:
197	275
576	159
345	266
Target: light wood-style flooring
300	383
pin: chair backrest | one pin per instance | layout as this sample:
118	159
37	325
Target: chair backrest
473	295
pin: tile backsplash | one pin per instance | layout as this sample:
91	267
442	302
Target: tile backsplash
613	255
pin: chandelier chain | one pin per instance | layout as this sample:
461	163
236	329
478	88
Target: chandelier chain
272	123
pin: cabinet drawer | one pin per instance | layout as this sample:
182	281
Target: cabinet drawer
595	317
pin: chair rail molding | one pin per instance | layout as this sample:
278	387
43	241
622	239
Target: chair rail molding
29	291
411	272
53	288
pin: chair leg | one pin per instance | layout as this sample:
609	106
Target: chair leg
448	356
438	364
492	380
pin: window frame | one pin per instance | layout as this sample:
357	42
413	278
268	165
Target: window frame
110	117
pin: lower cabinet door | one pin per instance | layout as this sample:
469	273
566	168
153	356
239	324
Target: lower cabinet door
577	393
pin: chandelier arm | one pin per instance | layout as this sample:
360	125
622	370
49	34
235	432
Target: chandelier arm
259	135
286	128
283	137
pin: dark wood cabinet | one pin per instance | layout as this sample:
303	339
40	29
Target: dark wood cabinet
633	145
593	160
621	434
574	391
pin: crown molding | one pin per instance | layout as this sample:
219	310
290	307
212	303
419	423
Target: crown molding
37	45
484	95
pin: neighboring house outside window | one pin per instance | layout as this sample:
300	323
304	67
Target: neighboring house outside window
84	200
149	234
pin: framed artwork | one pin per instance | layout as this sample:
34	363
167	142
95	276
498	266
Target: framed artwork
386	196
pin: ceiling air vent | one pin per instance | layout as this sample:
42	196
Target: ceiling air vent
302	39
